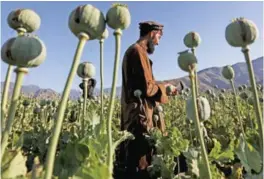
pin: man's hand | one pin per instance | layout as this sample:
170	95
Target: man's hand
171	90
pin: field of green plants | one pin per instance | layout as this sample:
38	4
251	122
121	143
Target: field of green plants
218	133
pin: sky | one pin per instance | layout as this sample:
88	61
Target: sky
209	19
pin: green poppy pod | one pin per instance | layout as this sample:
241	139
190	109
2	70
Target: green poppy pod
26	103
228	72
87	19
251	101
48	102
155	117
26	19
137	93
243	95
43	103
209	92
203	106
240	88
105	96
24	51
222	97
118	17
80	100
223	90
159	109
213	95
186	60
86	70
192	39
54	104
104	35
241	32
37	110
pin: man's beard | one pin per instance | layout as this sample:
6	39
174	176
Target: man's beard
150	46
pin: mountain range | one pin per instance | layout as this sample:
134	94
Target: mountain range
208	78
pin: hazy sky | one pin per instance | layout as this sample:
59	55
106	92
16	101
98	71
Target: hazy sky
209	19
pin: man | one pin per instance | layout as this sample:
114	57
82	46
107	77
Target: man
90	88
136	117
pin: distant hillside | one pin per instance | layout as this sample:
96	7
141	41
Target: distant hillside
208	78
212	76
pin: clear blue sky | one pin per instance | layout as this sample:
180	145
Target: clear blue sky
209	19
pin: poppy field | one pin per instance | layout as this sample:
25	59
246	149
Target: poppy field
211	134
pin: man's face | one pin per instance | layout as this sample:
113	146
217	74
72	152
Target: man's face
154	39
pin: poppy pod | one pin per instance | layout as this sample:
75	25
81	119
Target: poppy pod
43	103
87	19
24	51
222	97
26	103
80	100
208	91
104	35
192	39
37	110
228	72
24	18
241	32
186	60
223	90
137	93
118	17
159	108
244	95
203	106
251	101
86	70
155	117
240	88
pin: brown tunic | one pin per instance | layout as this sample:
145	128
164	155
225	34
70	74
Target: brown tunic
137	74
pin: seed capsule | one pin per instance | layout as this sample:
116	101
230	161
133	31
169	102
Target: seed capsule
228	72
251	101
240	88
244	95
186	60
24	51
87	19
43	103
118	17
192	39
137	93
155	117
222	97
24	18
104	35
241	32
26	103
203	107
86	70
